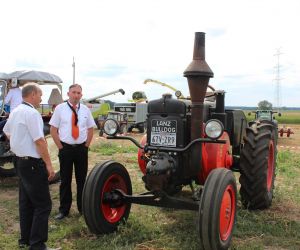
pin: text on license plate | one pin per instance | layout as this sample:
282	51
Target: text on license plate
163	133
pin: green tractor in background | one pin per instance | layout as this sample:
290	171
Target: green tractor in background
266	116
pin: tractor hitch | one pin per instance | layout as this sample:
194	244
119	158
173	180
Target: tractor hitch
117	198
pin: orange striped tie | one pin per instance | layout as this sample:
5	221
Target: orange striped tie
75	129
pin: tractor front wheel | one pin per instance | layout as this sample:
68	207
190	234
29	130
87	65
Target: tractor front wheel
100	215
258	165
217	210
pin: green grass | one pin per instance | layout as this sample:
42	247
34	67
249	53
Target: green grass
288	172
155	228
111	148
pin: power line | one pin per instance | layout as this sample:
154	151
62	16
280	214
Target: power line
73	65
278	101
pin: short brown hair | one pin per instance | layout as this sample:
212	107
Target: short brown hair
29	88
75	85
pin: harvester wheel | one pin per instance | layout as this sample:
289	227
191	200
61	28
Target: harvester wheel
217	210
258	165
100	216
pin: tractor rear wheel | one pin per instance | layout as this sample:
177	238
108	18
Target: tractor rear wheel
258	165
101	216
217	210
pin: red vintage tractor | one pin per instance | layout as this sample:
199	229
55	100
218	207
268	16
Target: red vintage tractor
196	143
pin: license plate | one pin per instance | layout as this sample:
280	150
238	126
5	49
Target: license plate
163	133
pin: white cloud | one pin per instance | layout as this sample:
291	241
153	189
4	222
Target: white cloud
154	39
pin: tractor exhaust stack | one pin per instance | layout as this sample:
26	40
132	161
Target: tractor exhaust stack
197	74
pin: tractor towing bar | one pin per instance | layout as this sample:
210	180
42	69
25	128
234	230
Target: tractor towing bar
117	198
146	148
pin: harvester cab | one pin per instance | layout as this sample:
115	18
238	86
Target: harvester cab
196	143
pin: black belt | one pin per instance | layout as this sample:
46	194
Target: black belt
72	145
28	158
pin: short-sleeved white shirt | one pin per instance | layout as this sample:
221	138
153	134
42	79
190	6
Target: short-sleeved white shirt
24	126
62	119
14	98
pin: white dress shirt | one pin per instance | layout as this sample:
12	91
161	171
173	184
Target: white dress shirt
62	119
24	126
13	98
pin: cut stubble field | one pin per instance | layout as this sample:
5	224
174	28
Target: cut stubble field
150	228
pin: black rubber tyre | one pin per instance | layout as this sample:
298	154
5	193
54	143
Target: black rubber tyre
217	210
99	216
258	166
7	172
141	128
97	123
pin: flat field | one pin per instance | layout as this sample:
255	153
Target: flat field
150	228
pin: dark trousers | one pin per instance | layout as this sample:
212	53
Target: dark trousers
34	202
70	155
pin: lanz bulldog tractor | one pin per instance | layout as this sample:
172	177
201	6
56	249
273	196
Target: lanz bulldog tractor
194	143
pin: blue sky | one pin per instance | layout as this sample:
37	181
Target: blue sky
119	44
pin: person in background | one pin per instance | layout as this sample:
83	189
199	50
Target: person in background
72	130
13	99
24	128
14	95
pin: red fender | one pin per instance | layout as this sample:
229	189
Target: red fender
215	155
141	153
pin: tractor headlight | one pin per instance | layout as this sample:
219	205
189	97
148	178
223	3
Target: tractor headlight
110	127
214	129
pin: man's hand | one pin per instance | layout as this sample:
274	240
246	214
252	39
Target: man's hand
51	173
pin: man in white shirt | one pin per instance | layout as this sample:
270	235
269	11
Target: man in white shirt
13	98
72	131
24	128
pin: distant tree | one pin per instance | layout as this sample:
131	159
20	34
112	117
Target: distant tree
265	105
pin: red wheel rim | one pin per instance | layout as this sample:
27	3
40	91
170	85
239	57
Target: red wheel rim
111	214
227	213
270	166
